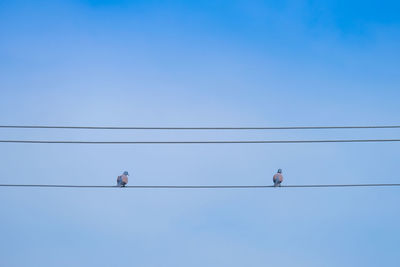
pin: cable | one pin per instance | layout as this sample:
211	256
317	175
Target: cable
200	142
200	186
199	128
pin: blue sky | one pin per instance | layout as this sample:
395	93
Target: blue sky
199	63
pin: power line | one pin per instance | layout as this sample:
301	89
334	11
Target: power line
198	128
199	186
199	142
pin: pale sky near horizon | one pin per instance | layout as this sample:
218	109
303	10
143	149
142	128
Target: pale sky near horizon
199	63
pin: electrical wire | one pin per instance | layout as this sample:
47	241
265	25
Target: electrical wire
199	142
200	186
198	128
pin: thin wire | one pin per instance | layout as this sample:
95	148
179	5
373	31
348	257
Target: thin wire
200	186
200	142
199	128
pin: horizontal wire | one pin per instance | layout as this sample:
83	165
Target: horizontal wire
199	186
199	128
201	142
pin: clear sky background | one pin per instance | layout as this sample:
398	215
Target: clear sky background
199	63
